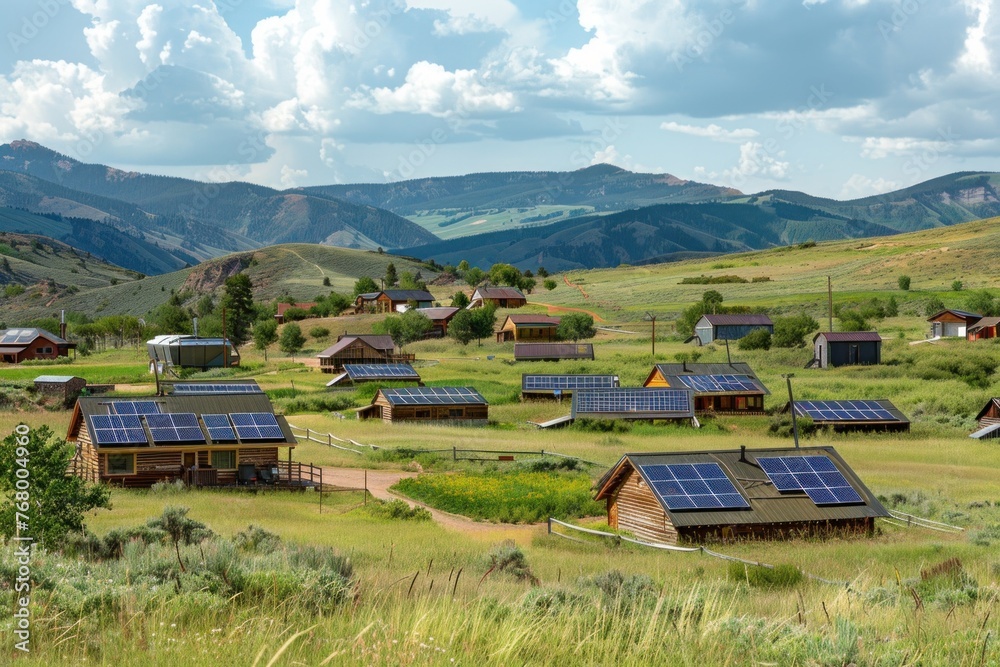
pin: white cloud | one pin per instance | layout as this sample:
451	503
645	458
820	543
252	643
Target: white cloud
431	89
858	186
710	131
290	177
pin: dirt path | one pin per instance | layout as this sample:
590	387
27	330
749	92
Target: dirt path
379	482
557	309
318	267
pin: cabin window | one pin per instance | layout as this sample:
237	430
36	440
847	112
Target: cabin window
121	464
224	459
43	350
422	414
456	412
741	402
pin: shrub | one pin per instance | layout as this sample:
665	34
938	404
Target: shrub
781	426
507	558
319	332
256	540
904	283
956	286
712	280
397	510
758	339
792	331
625	591
550	601
550	284
934	306
759	576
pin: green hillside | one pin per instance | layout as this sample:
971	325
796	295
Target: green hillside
297	270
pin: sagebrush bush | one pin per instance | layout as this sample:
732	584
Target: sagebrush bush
397	510
759	576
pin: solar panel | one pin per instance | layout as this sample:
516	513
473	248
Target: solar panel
256	426
433	396
135	407
697	486
568	382
175	427
719	383
381	372
219	428
209	388
816	475
844	411
633	400
117	430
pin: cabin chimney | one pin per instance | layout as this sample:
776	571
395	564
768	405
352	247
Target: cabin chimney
195	320
62	324
684	365
743	454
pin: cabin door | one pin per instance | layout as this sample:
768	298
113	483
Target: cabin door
855	354
189	459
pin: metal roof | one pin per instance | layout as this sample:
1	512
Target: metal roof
532	320
24	337
408	295
964	314
498	293
56	379
539	351
767	505
432	396
688	368
849	336
737	319
438	312
984	322
381	343
985	431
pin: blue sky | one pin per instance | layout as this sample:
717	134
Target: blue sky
839	98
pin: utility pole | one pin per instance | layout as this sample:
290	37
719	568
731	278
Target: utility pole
729	359
225	344
791	407
829	303
650	317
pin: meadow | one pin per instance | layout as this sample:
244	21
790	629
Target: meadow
424	593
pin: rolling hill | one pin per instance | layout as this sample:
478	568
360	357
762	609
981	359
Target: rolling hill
296	270
255	214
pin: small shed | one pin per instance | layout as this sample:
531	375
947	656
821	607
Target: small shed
501	297
846	348
17	345
552	351
719	388
360	349
853	415
984	328
729	326
700	496
952	323
365	303
186	351
447	405
528	328
285	307
989	420
65	387
439	316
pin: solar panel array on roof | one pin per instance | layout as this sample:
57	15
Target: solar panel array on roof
219	428
816	475
381	372
117	430
844	411
719	383
18	336
433	395
694	486
256	426
208	388
175	427
634	400
567	382
134	407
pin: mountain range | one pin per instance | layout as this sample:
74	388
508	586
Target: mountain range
595	217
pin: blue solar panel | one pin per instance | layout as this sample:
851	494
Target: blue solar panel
666	402
844	411
719	383
117	430
698	486
818	476
218	427
381	372
567	382
175	427
257	426
433	396
223	388
135	407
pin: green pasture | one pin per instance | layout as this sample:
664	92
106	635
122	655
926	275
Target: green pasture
453	223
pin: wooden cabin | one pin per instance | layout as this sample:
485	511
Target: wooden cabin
285	307
360	349
729	326
444	405
984	328
528	328
439	316
500	297
718	388
398	300
846	348
989	420
952	323
17	345
703	496
137	442
853	415
552	351
365	303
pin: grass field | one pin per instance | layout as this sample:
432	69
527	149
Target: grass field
453	223
590	602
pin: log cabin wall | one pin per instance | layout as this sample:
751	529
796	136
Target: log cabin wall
635	509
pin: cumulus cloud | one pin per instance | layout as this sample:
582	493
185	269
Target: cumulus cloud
710	131
858	186
430	89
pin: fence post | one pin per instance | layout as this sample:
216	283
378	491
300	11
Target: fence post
307	434
550	525
366	488
329	439
454	453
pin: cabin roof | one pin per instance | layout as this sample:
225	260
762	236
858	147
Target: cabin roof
432	396
984	323
56	379
23	337
849	411
438	312
408	295
737	319
849	336
500	293
633	403
766	504
964	314
377	342
528	320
